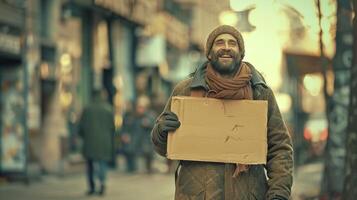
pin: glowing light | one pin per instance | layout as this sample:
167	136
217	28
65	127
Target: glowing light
307	134
228	18
45	70
118	100
324	134
313	84
65	59
66	99
118	82
284	102
118	121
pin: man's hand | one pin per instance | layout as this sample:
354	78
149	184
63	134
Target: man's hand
169	122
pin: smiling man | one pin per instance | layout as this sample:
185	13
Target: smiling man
225	55
226	76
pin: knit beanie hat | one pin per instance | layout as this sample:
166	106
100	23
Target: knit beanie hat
221	30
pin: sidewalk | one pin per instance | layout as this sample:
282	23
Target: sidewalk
307	181
120	186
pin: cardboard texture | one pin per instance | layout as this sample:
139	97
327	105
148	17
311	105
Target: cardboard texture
228	131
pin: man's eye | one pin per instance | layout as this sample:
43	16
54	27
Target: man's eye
232	43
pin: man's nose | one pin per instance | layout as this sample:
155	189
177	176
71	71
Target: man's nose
226	46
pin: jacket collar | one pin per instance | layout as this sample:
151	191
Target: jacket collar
199	77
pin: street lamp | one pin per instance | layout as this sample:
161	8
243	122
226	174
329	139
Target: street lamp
313	84
228	17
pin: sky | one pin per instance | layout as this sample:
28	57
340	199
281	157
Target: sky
265	45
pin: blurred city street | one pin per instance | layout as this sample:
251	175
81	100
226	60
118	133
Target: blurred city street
157	186
307	181
86	92
120	186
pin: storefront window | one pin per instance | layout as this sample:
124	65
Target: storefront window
101	52
12	110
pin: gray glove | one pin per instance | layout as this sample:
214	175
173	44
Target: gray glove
168	122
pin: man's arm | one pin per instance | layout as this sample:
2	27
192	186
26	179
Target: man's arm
158	138
280	153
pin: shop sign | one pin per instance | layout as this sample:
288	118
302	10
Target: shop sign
139	11
176	31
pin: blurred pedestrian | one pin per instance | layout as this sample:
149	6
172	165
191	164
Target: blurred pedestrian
129	139
144	122
96	127
135	135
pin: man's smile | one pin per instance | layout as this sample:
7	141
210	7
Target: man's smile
225	58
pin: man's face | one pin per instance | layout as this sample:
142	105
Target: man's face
225	55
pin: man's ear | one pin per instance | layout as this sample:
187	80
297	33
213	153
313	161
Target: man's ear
209	57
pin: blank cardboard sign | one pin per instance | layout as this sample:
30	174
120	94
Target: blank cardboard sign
214	130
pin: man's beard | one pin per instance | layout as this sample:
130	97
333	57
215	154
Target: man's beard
225	68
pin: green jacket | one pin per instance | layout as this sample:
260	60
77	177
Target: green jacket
214	181
96	127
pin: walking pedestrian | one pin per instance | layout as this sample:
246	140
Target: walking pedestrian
96	127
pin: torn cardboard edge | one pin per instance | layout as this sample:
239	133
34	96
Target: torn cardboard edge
214	130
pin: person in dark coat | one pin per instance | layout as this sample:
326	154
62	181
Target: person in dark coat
226	76
144	122
129	140
135	135
96	127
